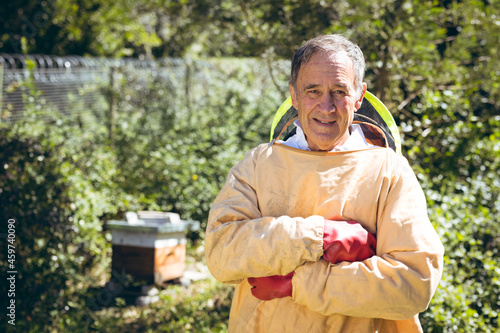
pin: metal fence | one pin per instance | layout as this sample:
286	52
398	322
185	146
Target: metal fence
69	84
77	85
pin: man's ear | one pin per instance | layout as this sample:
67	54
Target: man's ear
293	95
358	103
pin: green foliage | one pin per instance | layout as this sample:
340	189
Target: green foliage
468	299
55	182
466	212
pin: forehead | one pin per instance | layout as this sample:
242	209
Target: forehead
327	66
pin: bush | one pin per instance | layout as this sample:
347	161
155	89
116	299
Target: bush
468	297
56	180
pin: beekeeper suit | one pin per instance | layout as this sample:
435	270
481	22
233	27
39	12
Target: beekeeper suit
272	220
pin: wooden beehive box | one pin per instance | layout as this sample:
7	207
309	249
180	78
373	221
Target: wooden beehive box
152	252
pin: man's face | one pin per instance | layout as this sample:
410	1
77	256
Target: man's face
326	99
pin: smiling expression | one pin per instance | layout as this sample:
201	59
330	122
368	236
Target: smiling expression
326	99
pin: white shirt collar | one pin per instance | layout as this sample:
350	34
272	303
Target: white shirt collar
355	141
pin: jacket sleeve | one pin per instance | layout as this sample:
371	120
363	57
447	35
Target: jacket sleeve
400	280
240	243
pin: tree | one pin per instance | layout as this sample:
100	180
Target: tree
77	27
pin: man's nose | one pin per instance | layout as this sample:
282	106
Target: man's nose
327	103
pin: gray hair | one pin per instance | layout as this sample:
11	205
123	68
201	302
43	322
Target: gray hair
330	44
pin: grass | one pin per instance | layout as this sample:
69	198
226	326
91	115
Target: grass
203	306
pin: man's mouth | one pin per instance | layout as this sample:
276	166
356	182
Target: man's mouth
325	122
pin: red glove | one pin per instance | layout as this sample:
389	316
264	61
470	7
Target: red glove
271	287
347	241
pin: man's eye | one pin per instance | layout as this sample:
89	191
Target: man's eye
340	92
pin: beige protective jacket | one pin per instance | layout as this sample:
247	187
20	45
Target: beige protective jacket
268	220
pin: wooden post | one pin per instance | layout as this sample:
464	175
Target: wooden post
187	89
1	93
111	97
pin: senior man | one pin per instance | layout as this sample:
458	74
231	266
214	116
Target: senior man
326	231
